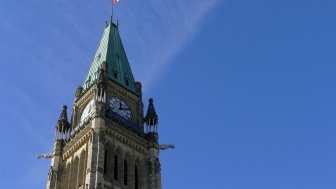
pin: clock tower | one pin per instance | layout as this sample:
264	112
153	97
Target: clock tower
108	142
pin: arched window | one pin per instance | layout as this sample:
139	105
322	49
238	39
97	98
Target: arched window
108	162
81	168
74	174
105	162
66	176
125	172
136	177
116	167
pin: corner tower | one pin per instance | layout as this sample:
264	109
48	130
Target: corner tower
104	145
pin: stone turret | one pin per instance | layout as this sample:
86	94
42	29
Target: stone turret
61	136
151	121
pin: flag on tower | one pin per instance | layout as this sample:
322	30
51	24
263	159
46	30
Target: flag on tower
115	1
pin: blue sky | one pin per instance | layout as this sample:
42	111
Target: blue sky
244	89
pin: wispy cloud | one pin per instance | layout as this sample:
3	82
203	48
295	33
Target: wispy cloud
156	31
49	46
55	52
153	33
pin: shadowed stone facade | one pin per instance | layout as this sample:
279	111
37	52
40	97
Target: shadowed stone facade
108	143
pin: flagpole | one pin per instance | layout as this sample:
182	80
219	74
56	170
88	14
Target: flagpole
113	3
112	12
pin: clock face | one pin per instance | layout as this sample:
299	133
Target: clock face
87	111
120	107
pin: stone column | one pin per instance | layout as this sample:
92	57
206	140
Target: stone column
96	150
154	172
54	174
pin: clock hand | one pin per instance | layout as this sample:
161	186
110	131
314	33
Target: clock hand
121	106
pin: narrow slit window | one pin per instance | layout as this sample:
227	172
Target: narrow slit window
105	162
116	167
136	178
125	172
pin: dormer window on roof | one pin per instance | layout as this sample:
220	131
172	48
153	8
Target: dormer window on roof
115	74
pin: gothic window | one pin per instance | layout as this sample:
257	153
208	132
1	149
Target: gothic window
126	81
74	174
125	172
66	177
81	169
136	178
115	167
108	162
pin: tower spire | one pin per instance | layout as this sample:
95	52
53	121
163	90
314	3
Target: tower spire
112	52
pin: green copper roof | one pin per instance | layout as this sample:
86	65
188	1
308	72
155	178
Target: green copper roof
111	51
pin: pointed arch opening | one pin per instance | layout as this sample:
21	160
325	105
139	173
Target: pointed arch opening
108	162
116	167
136	177
117	164
125	172
82	168
66	174
74	173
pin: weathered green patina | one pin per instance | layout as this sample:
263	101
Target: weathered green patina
111	51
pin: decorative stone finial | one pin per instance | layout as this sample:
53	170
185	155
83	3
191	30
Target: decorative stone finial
79	91
62	123
151	118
